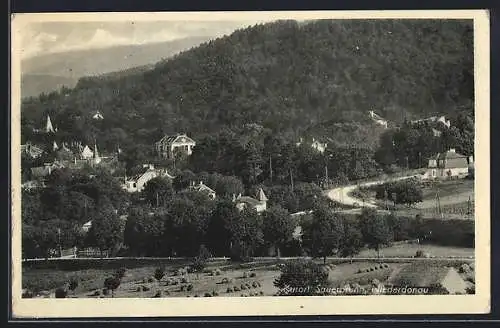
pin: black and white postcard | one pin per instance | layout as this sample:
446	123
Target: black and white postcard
250	163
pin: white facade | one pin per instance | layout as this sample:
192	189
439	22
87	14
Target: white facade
167	146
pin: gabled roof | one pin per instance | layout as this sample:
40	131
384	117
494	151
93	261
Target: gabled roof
420	275
248	200
176	138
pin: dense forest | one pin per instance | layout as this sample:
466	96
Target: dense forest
288	77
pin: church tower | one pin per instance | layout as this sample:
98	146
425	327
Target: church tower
49	128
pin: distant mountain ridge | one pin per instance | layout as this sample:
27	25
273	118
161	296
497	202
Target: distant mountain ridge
50	72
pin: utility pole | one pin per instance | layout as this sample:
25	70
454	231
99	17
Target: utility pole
270	168
157	200
59	239
438	204
291	179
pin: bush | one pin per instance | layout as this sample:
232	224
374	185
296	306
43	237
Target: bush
120	273
145	288
61	293
190	287
138	289
105	291
464	268
360	271
236	288
73	284
229	290
196	295
159	273
248	286
214	293
245	275
419	253
243	287
208	295
224	281
386	265
158	294
150	279
182	288
261	293
253	275
371	269
175	282
254	284
96	293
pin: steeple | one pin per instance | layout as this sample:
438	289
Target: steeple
96	154
261	196
48	127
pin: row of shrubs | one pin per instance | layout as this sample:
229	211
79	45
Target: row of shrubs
374	268
254	284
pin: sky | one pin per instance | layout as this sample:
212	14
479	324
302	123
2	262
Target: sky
52	37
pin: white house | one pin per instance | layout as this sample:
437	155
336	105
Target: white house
259	203
139	181
377	119
315	144
96	115
87	153
167	146
449	164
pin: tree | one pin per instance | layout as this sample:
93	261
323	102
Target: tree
112	283
322	236
158	190
408	192
107	230
143	232
73	284
301	278
159	274
200	261
278	227
246	233
61	293
352	239
183	179
218	235
375	230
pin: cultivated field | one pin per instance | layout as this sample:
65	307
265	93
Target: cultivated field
219	279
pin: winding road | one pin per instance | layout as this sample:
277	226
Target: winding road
342	194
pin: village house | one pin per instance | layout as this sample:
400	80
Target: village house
167	146
41	172
436	279
139	181
439	121
315	144
31	151
259	203
378	119
449	164
201	187
96	115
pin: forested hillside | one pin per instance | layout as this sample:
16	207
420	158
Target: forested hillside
287	77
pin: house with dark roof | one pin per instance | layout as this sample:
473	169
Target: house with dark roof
138	182
168	146
449	164
203	188
31	151
259	203
434	279
41	172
